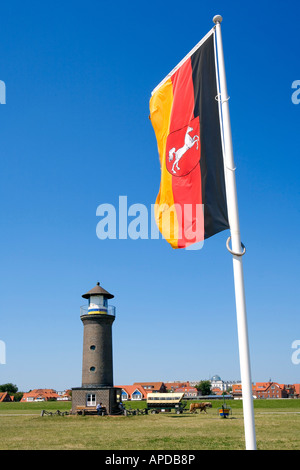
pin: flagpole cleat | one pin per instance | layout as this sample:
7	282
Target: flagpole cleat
217	19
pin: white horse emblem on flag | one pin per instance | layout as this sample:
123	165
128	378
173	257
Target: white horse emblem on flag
189	142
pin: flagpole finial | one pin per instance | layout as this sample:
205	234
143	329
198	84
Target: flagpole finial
217	19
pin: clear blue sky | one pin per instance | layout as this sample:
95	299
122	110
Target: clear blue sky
75	134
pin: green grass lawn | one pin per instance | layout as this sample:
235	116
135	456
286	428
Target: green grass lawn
22	427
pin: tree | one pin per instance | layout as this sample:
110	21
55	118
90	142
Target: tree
10	388
204	387
18	396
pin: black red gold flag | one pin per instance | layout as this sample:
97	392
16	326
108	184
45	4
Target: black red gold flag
191	203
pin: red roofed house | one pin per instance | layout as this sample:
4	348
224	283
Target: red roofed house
140	390
270	390
64	396
297	390
237	391
217	391
171	386
4	396
40	394
189	392
132	392
152	387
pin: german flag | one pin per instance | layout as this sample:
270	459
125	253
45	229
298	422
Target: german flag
184	111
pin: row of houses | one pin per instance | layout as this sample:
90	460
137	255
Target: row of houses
140	390
270	390
259	389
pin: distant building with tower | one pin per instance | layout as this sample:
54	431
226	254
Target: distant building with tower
97	358
217	383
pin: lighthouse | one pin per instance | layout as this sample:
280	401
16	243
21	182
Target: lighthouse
97	317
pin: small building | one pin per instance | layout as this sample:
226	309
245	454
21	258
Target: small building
296	390
189	392
237	391
172	386
217	391
66	395
5	397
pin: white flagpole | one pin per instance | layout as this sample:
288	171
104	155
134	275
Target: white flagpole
236	250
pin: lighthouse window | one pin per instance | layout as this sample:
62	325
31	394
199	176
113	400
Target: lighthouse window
97	300
93	347
92	369
91	399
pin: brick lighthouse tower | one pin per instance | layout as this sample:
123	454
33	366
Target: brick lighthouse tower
97	359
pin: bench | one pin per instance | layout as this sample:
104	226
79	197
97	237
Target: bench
88	410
